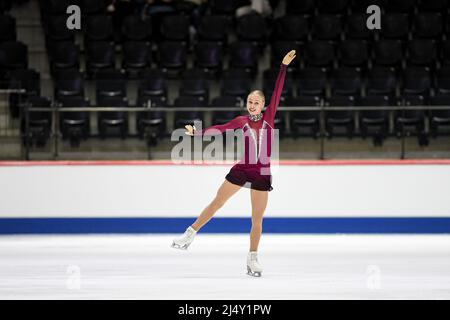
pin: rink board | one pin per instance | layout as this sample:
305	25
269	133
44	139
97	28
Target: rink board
161	197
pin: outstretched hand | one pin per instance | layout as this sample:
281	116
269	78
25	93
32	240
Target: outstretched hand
289	57
190	130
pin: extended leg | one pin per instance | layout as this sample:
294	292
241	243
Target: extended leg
226	190
259	203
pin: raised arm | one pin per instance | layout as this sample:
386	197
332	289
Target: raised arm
279	83
217	129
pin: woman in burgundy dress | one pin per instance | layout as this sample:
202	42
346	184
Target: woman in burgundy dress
253	171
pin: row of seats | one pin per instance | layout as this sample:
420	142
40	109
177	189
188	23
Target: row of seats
334	27
309	81
137	56
343	6
228	7
152	124
172	56
253	27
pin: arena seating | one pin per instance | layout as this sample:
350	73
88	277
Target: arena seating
340	62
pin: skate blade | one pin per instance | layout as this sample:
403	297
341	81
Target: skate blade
177	246
256	274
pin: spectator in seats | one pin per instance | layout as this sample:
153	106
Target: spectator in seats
263	7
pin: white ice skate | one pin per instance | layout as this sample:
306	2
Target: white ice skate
253	267
185	240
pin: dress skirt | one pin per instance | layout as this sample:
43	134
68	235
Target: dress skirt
250	177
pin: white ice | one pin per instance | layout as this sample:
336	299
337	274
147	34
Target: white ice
295	267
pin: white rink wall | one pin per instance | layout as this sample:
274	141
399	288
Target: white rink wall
166	190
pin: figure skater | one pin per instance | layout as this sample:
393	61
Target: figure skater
253	171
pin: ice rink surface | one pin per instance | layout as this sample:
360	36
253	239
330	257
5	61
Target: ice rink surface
295	267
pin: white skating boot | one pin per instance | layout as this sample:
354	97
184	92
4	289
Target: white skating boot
253	266
185	240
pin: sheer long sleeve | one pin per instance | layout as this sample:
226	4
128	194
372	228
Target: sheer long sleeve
276	95
221	128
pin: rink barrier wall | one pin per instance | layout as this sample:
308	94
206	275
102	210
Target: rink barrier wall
205	163
330	225
409	196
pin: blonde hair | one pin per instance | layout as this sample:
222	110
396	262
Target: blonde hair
260	94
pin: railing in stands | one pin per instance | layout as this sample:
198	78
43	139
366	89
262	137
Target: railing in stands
57	110
8	127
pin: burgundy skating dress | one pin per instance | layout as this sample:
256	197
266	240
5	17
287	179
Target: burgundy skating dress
253	171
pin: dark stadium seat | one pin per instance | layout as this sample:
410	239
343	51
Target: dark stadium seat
40	122
416	81
445	52
252	27
13	55
27	79
311	81
381	81
375	123
333	6
107	120
214	28
7	28
56	29
183	118
64	55
151	125
244	55
442	81
356	28
110	83
136	29
340	118
395	26
439	118
74	125
221	117
54	7
428	25
93	6
209	57
223	7
153	84
99	55
432	5
136	57
290	28
361	6
194	82
307	120
172	57
346	81
406	6
99	28
408	122
353	53
327	27
236	82
305	7
388	53
319	53
5	5
175	28
422	52
269	78
68	83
